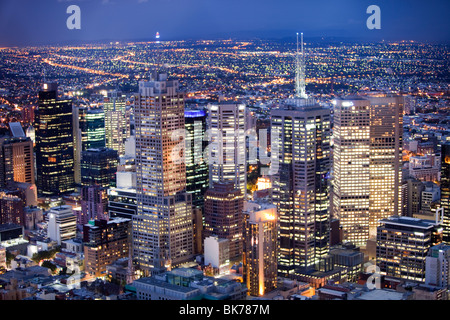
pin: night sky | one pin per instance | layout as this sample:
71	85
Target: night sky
31	22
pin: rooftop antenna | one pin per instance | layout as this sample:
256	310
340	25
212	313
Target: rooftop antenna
300	83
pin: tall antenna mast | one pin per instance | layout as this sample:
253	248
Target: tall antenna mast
297	72
302	81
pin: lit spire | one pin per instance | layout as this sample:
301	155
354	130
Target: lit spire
300	83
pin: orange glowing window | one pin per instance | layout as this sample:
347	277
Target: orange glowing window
51	159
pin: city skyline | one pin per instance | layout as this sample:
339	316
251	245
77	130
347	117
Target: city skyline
297	168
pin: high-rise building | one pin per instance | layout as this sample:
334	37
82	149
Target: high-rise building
403	244
93	129
117	121
411	197
16	160
62	224
122	198
351	160
94	203
386	132
217	253
54	143
367	163
223	214
197	173
162	227
105	242
11	209
227	144
300	165
260	248
445	189
437	263
99	166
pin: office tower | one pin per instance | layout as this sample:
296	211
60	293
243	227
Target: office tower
162	227
197	174
99	166
54	143
367	163
78	113
227	144
411	197
105	242
16	160
437	265
403	244
350	258
11	209
260	248
62	224
93	129
300	165
117	121
94	202
445	189
351	160
217	253
223	215
386	132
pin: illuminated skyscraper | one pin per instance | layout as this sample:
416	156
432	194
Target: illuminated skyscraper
162	227
351	175
16	160
260	248
300	165
99	167
224	216
197	173
367	163
227	144
386	132
54	143
445	189
117	121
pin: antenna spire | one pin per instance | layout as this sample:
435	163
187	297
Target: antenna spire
300	82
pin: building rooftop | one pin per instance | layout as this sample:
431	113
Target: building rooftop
408	221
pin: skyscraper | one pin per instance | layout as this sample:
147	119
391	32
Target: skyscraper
300	165
386	132
445	189
260	248
351	160
197	173
16	160
223	213
99	166
117	121
367	163
162	227
227	144
54	143
93	129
